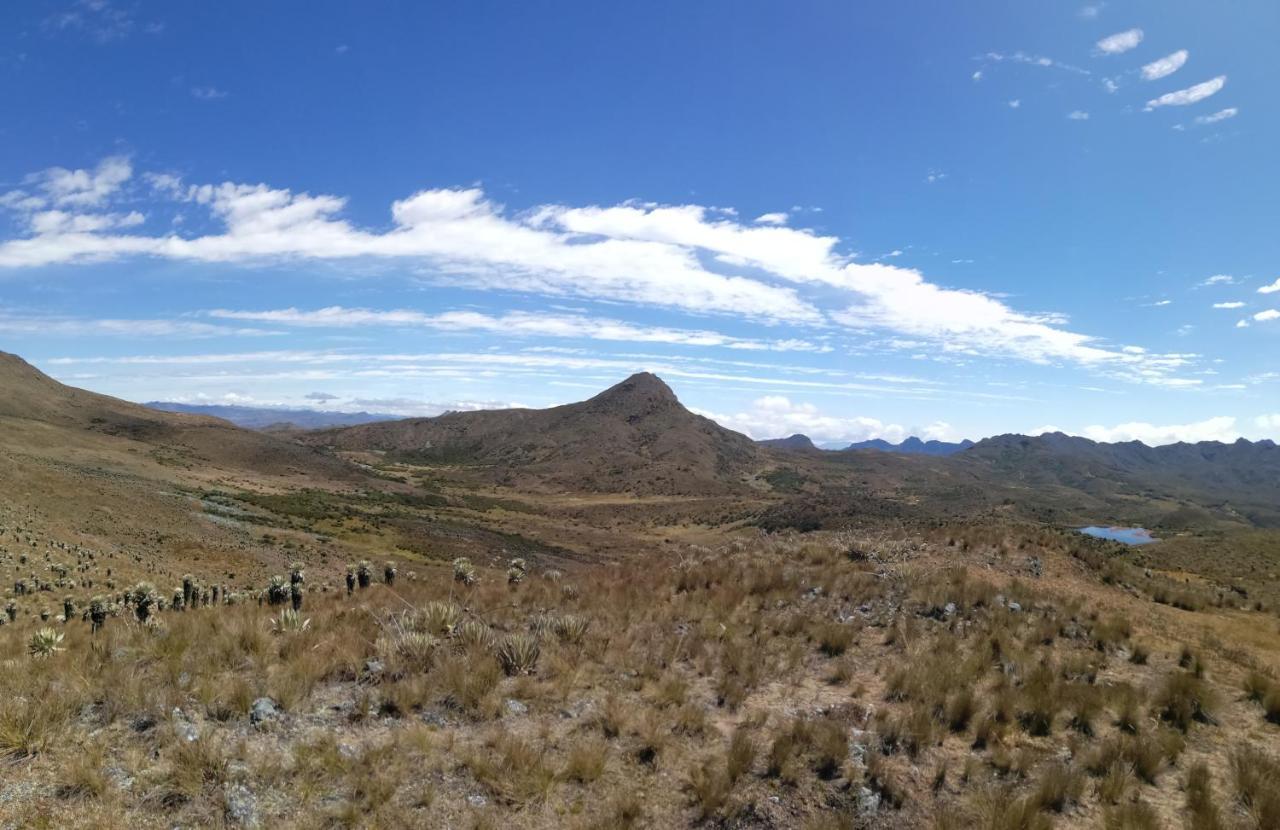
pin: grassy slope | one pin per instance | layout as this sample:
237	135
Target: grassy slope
780	682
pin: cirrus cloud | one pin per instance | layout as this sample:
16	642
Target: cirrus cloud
1190	95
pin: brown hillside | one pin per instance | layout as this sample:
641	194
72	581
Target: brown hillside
38	411
633	437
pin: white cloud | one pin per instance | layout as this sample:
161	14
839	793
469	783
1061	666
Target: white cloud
1078	115
1159	303
776	416
1218	279
977	75
1030	60
935	176
1165	66
1222	428
1015	103
1229	305
62	188
1110	85
1220	115
1091	11
1120	42
687	257
1270	289
1190	95
779	218
208	93
1269	423
55	325
518	323
1267	316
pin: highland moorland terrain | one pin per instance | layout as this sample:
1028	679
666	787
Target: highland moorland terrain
619	614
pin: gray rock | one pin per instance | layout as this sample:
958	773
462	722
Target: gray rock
184	728
949	609
434	718
514	707
477	801
264	711
868	800
1015	607
374	668
120	777
241	806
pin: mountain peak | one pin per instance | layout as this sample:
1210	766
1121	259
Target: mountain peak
642	392
798	441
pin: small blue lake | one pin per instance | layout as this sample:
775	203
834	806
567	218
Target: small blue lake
1128	535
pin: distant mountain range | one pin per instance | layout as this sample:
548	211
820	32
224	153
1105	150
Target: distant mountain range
263	417
636	437
911	446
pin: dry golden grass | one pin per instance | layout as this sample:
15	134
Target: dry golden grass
774	681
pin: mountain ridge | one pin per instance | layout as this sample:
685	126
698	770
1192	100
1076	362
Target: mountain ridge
635	436
913	446
265	417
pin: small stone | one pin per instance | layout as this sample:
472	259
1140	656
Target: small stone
868	800
477	801
1015	607
185	729
241	806
348	750
949	609
434	718
374	668
264	710
514	707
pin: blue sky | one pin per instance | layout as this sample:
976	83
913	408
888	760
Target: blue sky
849	220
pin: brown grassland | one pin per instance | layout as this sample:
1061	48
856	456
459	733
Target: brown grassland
958	675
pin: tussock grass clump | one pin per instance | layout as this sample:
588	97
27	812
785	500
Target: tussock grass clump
1136	815
1201	807
1255	774
1059	786
586	761
741	755
1184	699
